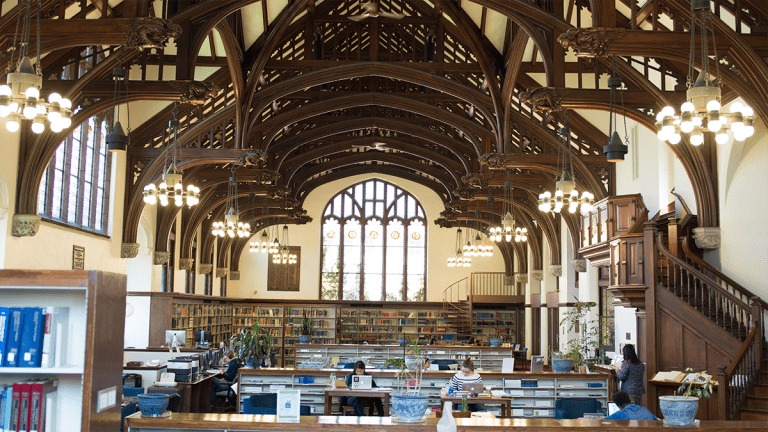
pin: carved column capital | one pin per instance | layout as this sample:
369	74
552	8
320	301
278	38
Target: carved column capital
521	278
538	275
580	265
25	225
707	237
205	268
186	263
160	258
234	275
129	250
556	270
221	272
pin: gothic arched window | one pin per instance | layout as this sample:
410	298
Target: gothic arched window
374	245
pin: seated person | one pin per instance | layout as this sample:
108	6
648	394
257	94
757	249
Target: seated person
467	375
359	403
427	363
473	341
433	341
223	383
629	411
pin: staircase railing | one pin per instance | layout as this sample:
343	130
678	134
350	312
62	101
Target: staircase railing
490	283
722	280
457	291
741	375
721	307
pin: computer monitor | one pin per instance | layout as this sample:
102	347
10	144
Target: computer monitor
203	336
612	408
175	338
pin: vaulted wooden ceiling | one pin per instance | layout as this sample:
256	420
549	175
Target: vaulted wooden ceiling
296	94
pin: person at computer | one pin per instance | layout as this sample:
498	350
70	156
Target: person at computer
359	403
228	377
433	341
631	374
628	410
467	375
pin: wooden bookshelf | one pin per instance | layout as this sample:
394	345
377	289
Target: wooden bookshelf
386	325
492	323
195	317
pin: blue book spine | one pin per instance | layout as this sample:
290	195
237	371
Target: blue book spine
6	419
5	314
31	337
3	408
14	338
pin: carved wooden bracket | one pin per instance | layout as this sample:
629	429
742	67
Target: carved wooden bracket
542	99
589	42
632	296
279	191
151	33
195	92
464	193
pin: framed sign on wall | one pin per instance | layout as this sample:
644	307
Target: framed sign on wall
78	258
284	277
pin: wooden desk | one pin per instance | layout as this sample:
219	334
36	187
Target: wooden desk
330	393
195	396
613	382
506	403
244	422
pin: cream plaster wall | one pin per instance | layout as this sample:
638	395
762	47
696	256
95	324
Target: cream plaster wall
440	245
8	172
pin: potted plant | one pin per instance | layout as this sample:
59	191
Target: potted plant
588	338
252	345
408	404
680	410
561	362
306	329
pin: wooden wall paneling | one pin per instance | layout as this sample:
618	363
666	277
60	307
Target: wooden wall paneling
635	270
603	220
285	277
669	335
694	349
624	217
160	320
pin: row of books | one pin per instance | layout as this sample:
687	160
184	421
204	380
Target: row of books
33	336
27	406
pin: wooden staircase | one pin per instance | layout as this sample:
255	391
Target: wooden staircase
457	308
743	389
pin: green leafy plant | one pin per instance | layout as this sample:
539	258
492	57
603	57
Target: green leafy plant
559	355
702	391
251	342
307	325
396	363
413	347
588	337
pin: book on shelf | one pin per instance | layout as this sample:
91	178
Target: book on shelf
4	318
671	376
14	338
27	406
31	337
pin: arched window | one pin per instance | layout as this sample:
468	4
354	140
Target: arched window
75	187
374	245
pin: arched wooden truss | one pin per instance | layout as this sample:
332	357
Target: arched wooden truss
452	109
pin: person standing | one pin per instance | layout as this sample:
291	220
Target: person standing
631	374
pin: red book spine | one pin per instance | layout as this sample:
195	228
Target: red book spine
24	407
36	406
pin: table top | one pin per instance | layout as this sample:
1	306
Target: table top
145	367
216	421
476	398
350	392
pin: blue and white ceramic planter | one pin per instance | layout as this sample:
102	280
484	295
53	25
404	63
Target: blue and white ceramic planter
562	365
409	408
305	339
152	404
495	342
678	410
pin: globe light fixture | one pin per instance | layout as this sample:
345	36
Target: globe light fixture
566	194
171	187
20	97
509	229
231	226
701	113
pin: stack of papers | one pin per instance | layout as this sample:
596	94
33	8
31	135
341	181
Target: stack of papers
500	393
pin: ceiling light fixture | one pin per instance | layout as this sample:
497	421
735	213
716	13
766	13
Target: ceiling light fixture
263	244
701	111
509	228
171	186
20	98
284	256
116	140
615	150
566	193
231	226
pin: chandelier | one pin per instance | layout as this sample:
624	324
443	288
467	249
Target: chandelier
262	245
566	193
459	260
478	248
701	111
283	256
231	226
509	229
20	98
171	187
494	232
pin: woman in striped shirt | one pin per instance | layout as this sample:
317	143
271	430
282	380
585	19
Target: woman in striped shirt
468	376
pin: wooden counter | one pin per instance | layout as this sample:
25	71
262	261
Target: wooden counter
229	422
427	373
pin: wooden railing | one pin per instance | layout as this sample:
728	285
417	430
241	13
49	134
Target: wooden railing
723	308
490	283
741	375
722	280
